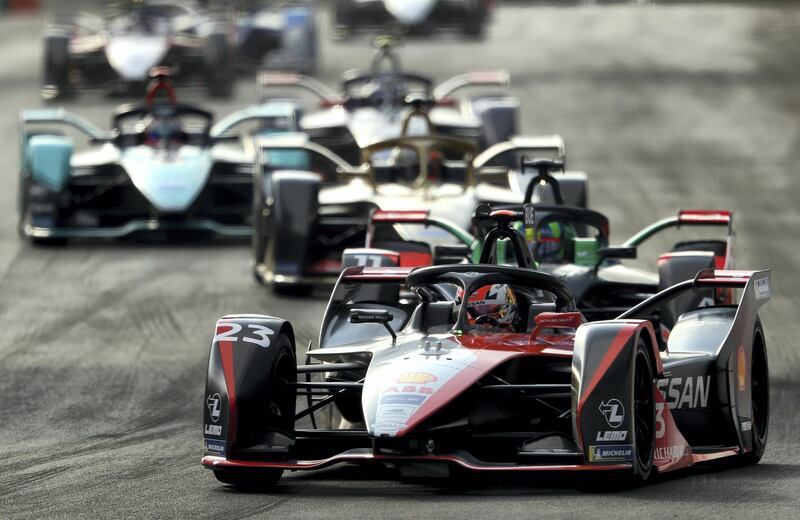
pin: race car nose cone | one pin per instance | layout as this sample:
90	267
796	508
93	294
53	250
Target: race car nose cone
133	56
409	11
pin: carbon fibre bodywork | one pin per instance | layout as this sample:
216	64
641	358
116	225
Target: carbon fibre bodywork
562	396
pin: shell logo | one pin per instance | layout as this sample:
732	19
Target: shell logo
741	369
419	378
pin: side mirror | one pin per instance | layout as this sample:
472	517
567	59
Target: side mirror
380	316
451	254
493	175
352	173
617	252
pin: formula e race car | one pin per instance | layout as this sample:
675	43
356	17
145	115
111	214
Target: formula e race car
570	242
200	46
163	166
119	50
411	371
373	105
312	204
411	17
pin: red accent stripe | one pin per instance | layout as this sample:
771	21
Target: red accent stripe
411	217
704	216
485	361
703	457
226	353
213	462
414	259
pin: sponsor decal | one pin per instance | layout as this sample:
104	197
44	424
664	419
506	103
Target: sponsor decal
747	426
409	389
661	423
397	411
387	426
685	392
670	452
762	288
256	334
419	378
741	370
611	452
213	402
613	411
407	399
620	435
214	447
213	429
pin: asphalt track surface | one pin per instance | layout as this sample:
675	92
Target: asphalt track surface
103	346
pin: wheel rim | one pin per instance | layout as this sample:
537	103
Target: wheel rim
644	411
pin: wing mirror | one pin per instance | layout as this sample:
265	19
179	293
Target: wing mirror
380	316
451	254
362	172
617	252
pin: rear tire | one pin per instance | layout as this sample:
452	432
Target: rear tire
759	386
55	82
219	69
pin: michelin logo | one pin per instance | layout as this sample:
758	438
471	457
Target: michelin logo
214	447
611	452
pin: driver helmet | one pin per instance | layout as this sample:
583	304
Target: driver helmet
162	129
550	244
497	302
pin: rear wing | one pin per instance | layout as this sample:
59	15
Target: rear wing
695	217
269	79
548	147
58	116
423	218
287	111
756	292
498	78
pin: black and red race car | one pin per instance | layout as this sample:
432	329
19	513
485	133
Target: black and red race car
409	372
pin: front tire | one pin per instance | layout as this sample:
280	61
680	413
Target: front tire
644	431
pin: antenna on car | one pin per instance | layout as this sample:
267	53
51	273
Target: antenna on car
543	168
503	230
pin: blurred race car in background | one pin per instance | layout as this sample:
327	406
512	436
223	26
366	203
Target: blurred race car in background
371	106
277	34
311	204
411	17
200	46
569	242
457	368
163	166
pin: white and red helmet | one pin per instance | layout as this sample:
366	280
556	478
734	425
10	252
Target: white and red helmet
497	302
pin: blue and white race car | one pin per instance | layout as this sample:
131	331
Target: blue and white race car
163	166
